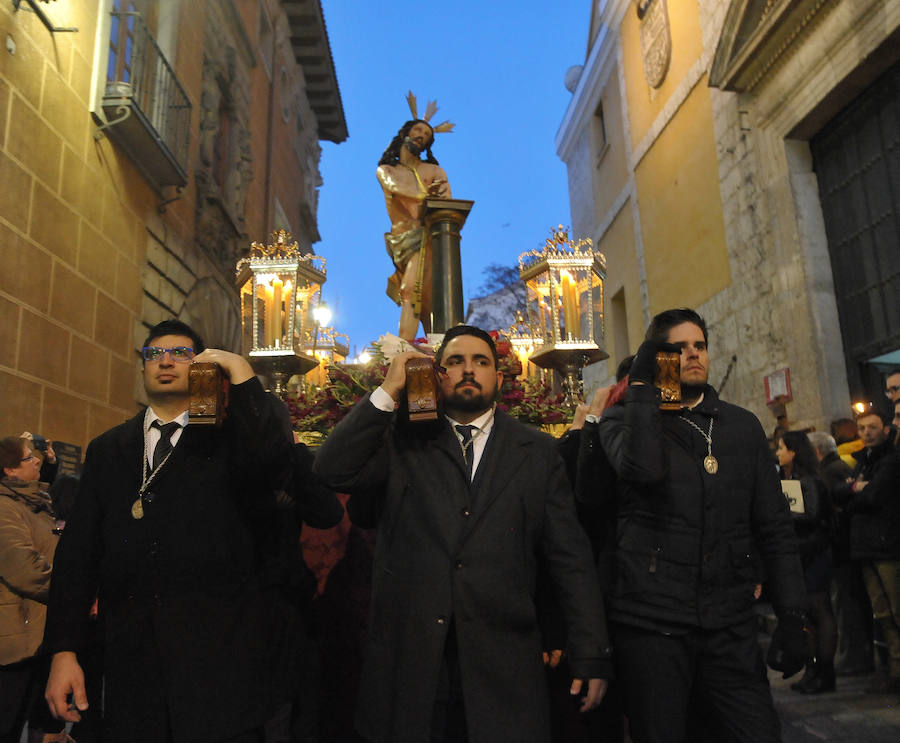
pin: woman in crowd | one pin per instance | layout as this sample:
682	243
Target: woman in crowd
814	527
28	537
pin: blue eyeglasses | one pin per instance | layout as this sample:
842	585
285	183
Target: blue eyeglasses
179	354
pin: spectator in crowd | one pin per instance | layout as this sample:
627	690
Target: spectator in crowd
892	385
832	469
848	594
874	507
465	508
698	503
28	539
813	526
43	450
846	436
170	525
896	423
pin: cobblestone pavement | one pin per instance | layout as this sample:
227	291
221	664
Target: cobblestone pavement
848	715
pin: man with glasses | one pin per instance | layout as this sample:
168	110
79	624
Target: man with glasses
167	530
892	385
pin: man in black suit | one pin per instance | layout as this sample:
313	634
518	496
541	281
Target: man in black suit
465	508
169	530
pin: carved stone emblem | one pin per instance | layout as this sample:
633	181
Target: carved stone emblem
656	41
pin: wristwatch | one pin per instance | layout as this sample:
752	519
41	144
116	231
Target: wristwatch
591	418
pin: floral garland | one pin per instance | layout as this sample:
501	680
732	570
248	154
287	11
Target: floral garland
317	410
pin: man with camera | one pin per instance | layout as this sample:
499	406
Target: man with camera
167	530
465	507
699	510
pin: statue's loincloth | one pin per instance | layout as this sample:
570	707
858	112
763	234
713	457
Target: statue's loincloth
402	248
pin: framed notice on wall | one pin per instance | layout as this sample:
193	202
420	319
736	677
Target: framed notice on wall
69	458
778	386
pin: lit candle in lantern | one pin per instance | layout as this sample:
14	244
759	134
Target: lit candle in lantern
277	286
270	316
288	309
570	306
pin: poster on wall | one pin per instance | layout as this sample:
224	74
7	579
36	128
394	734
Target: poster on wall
69	458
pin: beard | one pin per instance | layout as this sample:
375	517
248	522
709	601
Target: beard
469	403
412	146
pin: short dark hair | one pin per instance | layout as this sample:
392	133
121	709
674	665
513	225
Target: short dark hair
662	323
882	416
892	372
458	330
175	327
11	450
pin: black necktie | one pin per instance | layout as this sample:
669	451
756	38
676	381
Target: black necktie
164	445
468	447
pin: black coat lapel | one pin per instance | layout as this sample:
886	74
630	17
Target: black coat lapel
447	442
502	456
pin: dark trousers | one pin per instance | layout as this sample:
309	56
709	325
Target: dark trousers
448	720
854	618
15	680
720	671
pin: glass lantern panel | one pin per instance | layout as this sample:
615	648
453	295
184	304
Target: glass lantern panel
597	306
246	295
585	305
260	307
568	304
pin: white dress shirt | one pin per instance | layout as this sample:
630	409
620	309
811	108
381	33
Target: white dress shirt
152	434
483	425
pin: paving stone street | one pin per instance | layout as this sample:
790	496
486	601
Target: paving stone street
848	715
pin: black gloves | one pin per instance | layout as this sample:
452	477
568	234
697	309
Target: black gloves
789	650
643	368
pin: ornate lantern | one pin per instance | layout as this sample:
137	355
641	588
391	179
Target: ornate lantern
524	343
330	347
278	288
564	286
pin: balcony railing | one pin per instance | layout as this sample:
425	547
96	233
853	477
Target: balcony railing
149	113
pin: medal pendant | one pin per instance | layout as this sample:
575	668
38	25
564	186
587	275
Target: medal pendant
137	509
711	464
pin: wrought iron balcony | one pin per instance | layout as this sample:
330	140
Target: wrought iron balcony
148	112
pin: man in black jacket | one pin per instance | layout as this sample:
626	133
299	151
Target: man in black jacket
465	509
872	498
169	529
699	508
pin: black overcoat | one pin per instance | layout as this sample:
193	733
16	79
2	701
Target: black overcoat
445	552
184	619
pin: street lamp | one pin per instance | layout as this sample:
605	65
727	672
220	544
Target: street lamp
322	316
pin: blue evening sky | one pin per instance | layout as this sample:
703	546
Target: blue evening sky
496	70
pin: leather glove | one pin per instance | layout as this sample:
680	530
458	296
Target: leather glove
789	650
643	368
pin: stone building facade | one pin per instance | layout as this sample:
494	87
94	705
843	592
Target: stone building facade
704	150
139	156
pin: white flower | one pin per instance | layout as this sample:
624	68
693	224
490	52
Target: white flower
393	345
